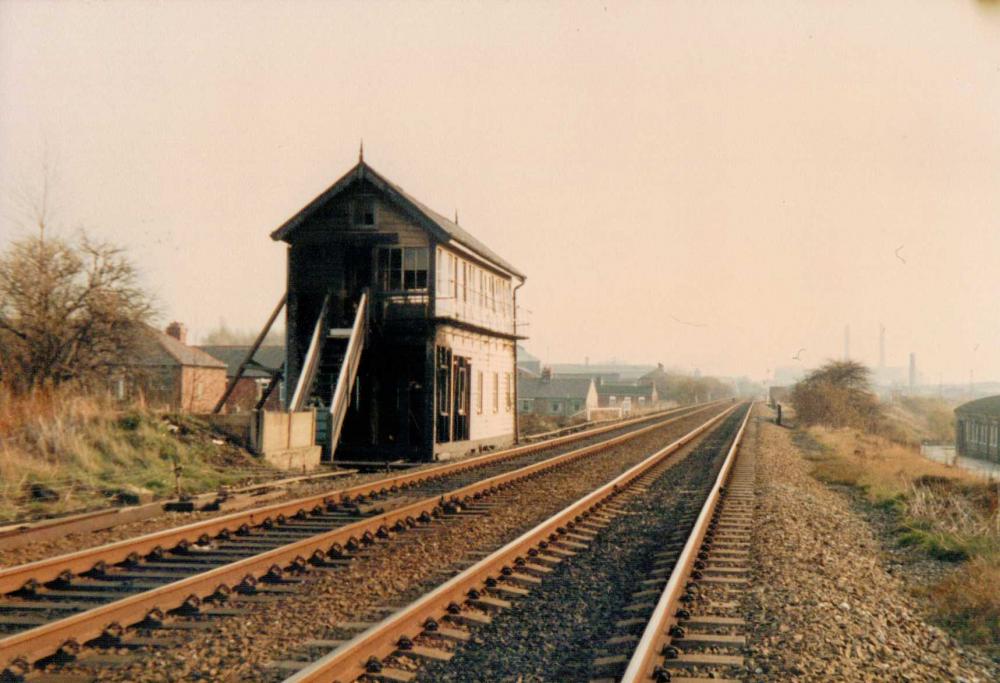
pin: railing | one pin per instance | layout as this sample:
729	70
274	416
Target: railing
348	371
311	362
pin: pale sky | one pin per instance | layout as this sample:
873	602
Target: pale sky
707	184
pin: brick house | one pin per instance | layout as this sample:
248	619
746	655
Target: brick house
166	373
267	365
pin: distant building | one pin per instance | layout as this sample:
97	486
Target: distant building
627	396
557	396
526	361
788	374
977	428
167	373
267	364
618	371
776	395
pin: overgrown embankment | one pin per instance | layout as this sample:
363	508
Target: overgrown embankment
946	513
62	451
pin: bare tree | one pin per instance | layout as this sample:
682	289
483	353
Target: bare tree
68	311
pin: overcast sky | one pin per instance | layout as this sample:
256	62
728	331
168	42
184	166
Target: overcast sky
708	184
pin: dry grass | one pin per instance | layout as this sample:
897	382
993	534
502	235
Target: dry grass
62	450
948	513
968	602
882	467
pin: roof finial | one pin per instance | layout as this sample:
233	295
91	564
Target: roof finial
361	152
456	215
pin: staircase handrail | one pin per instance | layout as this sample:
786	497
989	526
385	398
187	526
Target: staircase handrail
311	362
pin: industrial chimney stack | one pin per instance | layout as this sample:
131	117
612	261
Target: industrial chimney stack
881	346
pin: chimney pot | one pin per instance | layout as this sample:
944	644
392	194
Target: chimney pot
178	331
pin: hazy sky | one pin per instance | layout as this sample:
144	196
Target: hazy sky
710	184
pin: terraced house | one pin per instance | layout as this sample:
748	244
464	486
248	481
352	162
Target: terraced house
401	326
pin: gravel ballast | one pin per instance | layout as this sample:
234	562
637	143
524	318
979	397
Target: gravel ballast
386	576
824	606
556	633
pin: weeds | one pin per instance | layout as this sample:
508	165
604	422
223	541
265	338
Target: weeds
945	513
63	450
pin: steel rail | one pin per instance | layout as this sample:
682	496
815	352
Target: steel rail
50	569
70	632
654	636
349	661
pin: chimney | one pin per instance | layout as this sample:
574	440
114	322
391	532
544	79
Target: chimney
178	331
546	374
913	370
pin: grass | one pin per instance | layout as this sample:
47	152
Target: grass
947	513
61	450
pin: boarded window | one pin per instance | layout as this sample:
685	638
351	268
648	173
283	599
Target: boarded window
479	393
508	392
496	393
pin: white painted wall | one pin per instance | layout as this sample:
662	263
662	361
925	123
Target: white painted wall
489	357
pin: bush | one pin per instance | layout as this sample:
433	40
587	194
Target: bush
838	395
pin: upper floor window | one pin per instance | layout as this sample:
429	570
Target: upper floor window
402	268
363	213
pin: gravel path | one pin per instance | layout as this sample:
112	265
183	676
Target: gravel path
556	632
824	608
73	542
388	575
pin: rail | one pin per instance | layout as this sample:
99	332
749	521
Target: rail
33	644
349	661
640	666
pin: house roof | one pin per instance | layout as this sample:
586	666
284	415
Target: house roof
154	348
568	387
621	389
605	369
524	355
272	357
981	406
441	227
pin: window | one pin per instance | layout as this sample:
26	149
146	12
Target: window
496	393
612	400
642	399
364	211
526	405
403	268
508	392
443	381
556	406
479	393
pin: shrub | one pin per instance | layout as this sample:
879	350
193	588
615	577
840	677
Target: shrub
837	395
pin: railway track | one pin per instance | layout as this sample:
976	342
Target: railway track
420	640
58	605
